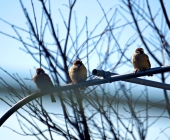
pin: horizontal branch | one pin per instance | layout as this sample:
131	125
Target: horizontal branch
108	78
133	80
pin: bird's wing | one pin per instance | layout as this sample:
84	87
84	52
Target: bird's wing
147	59
84	71
48	79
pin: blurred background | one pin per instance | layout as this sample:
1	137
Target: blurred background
104	35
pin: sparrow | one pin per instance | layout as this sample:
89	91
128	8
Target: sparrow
140	61
43	81
78	72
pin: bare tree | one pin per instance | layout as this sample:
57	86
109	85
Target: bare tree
100	112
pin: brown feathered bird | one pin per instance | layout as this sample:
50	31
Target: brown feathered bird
43	81
78	72
140	61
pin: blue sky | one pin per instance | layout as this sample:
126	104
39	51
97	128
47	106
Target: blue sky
14	60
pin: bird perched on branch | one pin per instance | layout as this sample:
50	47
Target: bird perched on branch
78	72
43	81
140	61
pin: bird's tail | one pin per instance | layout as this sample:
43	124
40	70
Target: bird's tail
150	74
52	97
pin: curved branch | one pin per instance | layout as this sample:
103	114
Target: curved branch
82	84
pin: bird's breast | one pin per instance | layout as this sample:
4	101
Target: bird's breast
140	62
78	74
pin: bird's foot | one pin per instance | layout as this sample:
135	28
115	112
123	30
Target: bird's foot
150	74
136	70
